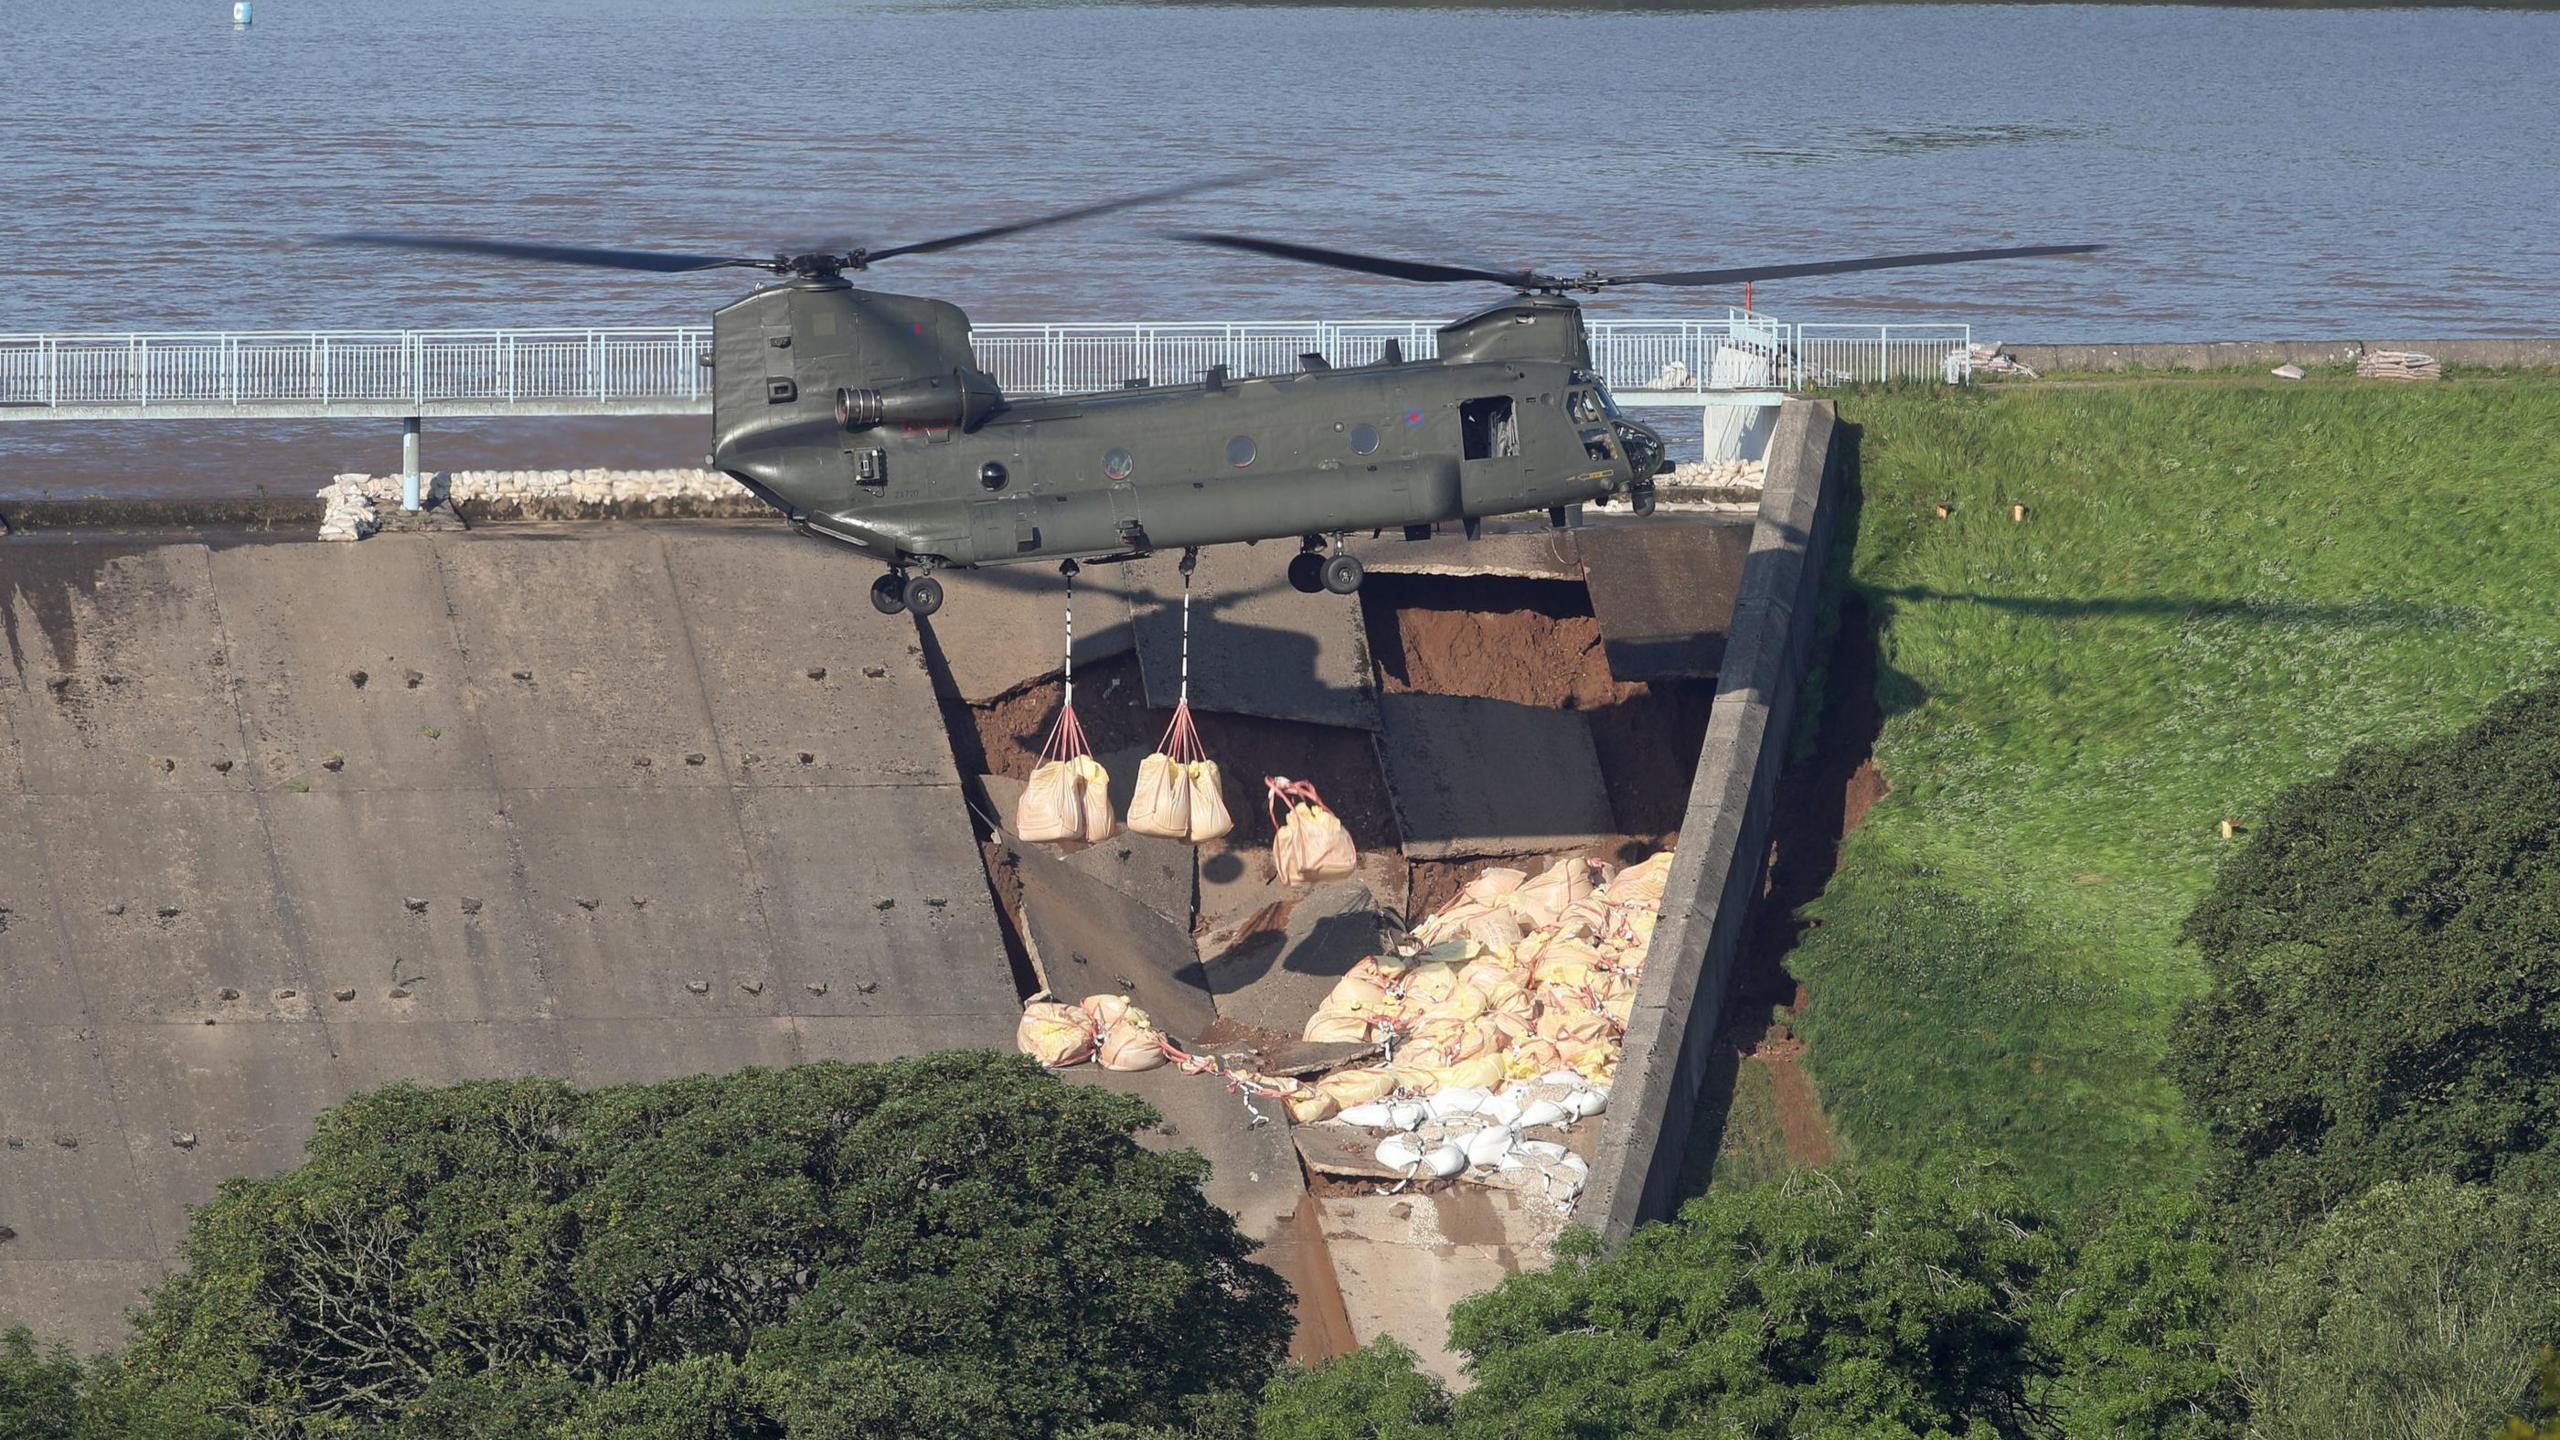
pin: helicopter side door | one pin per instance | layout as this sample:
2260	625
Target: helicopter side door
1494	474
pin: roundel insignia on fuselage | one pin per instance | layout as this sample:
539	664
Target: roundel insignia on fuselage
1413	419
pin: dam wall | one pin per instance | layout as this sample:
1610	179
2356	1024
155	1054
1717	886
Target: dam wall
1722	863
281	821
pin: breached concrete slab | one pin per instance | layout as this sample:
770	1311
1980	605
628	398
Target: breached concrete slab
1663	595
1004	628
1150	869
1483	778
1258	647
1253	1169
1092	939
1274	971
1515	555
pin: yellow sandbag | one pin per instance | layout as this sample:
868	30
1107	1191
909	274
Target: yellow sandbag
1541	902
1099	824
1308	1105
1415	1079
1464	1002
1531	1058
1209	817
1426	985
1566	961
1484	1072
1161	805
1310	845
1641	884
1490	886
1107	1010
1130	1045
1052	804
1446	1042
1568	1027
1357	1087
1055	1035
1336	1027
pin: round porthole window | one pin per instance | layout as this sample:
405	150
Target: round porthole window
992	475
1240	451
1117	464
1364	439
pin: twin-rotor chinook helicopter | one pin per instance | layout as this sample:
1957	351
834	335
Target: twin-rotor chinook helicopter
863	416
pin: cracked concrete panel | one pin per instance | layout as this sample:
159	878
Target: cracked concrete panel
38	983
66	1178
1273	971
1663	595
82	1301
1476	777
1154	871
376	1052
1094	940
610	1053
1403	1260
414	893
795	663
203	1103
1003	628
1258	647
581	669
120	656
348	671
169	901
1253	1169
636	897
1520	555
877	902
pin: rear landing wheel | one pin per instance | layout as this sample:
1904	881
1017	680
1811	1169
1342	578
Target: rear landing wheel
889	594
1343	574
1306	573
924	595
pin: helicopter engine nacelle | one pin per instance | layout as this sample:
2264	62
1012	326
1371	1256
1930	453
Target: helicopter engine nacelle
965	398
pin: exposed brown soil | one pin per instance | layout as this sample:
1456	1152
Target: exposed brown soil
1299	1253
1819	802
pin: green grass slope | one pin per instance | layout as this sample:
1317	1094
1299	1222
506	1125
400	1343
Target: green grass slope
2218	591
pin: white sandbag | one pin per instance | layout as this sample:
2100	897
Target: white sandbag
1407	1114
1449	1104
1585	1101
1444	1160
1377	1115
1504	1109
1209	817
1161	804
1486	1147
1399	1152
1541	1150
1543	1112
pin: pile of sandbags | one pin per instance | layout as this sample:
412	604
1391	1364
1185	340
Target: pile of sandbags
2398	365
1482	1133
1516	977
1105	1029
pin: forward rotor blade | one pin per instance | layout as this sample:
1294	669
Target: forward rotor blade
662	262
1081	212
1422	270
1739	274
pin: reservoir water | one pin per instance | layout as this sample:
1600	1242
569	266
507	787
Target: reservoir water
2287	172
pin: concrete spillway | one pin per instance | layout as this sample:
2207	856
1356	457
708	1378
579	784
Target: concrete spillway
279	822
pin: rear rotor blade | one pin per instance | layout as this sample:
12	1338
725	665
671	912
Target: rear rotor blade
663	262
1081	212
1739	274
1422	270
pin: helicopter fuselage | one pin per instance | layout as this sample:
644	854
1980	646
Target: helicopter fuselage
861	416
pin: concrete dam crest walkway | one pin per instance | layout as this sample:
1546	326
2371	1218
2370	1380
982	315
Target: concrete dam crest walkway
279	822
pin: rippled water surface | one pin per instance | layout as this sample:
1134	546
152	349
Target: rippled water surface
2260	172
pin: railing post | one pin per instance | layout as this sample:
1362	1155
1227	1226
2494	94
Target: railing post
409	486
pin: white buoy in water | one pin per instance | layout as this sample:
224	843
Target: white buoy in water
239	12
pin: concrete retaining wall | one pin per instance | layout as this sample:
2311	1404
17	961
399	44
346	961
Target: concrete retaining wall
2268	354
1724	838
283	820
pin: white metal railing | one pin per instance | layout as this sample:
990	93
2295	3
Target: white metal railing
535	370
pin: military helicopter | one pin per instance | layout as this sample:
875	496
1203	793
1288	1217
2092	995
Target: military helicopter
862	416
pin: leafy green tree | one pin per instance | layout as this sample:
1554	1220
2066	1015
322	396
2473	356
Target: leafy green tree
2410	1313
1890	1301
1378	1392
2132	1327
2385	965
39	1388
953	1245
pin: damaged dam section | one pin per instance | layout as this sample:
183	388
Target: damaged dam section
624	800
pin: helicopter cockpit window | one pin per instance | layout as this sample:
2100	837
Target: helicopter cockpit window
1487	428
1364	439
1117	464
1240	451
1580	405
1595	443
1608	402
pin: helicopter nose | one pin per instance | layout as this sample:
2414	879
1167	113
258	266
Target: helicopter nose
1646	449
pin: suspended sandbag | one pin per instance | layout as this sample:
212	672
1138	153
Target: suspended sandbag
1309	844
1069	794
1161	805
1055	1035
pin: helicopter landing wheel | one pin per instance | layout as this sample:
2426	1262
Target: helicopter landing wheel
1342	574
924	596
1306	572
889	593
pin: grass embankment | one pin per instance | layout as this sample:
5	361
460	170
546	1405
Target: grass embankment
2217	592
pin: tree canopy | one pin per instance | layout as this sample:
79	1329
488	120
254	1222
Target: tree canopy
957	1245
2384	957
